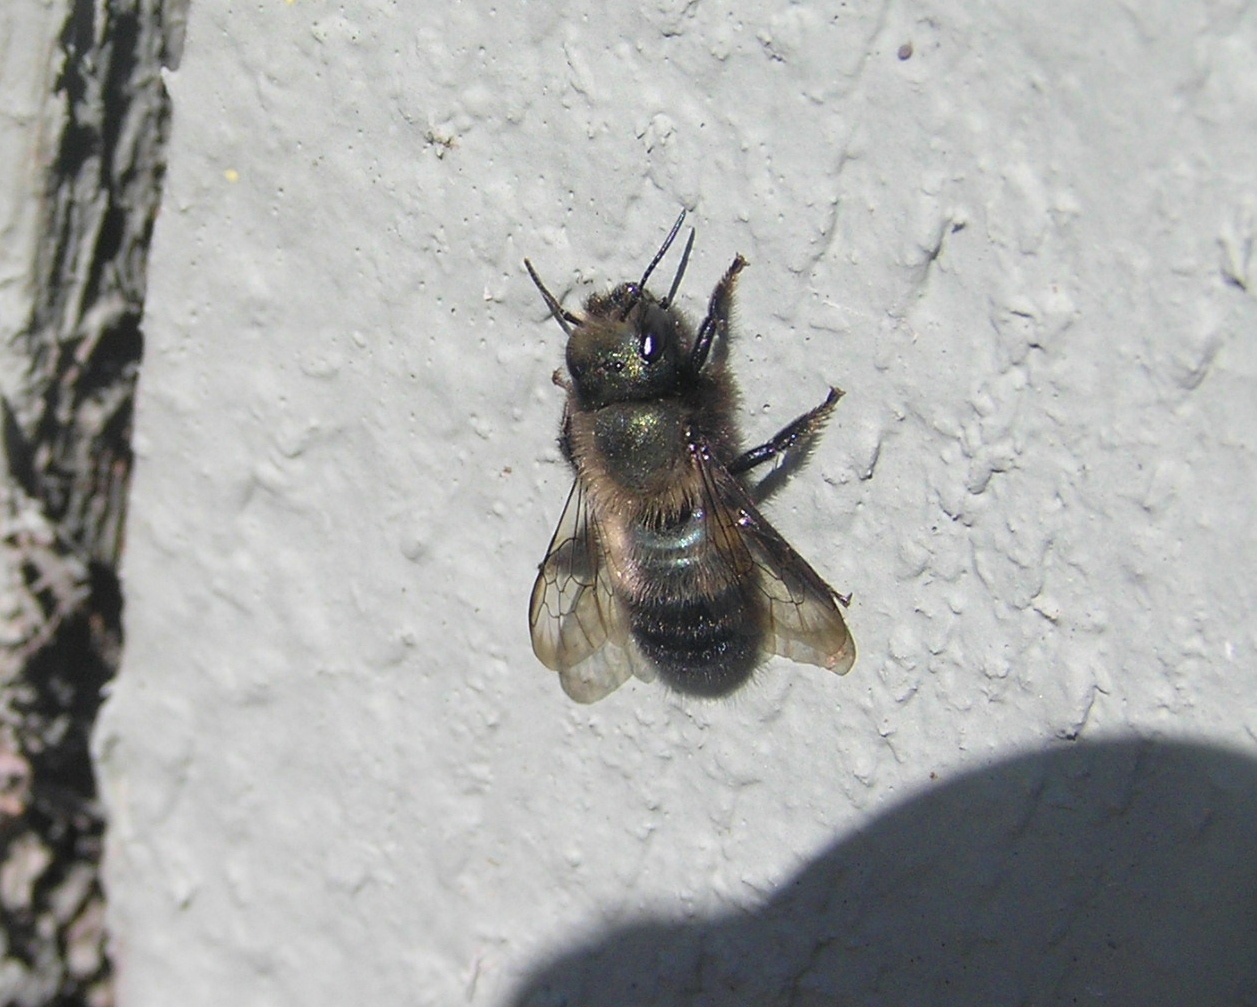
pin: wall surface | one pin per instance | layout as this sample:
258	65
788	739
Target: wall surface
1020	236
28	31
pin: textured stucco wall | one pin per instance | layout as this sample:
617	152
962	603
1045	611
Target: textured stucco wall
28	31
335	771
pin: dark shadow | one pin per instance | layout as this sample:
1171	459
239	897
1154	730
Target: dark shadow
1121	873
66	442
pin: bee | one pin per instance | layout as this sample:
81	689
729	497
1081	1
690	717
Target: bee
662	566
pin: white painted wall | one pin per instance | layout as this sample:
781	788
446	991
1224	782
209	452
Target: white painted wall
28	36
336	774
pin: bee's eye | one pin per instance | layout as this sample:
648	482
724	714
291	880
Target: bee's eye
651	347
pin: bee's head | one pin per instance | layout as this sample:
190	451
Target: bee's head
630	345
627	347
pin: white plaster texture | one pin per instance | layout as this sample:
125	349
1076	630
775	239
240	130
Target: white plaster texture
28	38
334	770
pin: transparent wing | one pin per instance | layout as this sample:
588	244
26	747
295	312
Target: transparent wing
579	628
805	621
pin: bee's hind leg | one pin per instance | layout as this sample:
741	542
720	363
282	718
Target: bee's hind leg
794	435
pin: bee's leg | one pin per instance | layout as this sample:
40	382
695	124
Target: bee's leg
565	437
801	431
717	321
564	317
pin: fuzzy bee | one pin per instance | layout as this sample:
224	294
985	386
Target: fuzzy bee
662	566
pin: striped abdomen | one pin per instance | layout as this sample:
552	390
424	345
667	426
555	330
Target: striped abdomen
693	616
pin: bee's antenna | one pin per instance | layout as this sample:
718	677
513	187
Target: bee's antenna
676	280
663	250
565	318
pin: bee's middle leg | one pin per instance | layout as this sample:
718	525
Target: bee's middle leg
791	436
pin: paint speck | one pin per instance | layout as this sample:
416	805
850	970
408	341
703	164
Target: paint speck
231	175
439	142
905	51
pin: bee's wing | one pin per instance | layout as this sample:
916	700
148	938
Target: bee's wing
579	628
805	622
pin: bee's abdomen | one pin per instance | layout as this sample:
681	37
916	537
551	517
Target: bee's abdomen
694	612
705	646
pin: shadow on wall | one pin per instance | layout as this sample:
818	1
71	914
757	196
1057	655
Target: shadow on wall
1121	873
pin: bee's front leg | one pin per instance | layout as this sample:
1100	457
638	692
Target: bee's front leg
717	321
